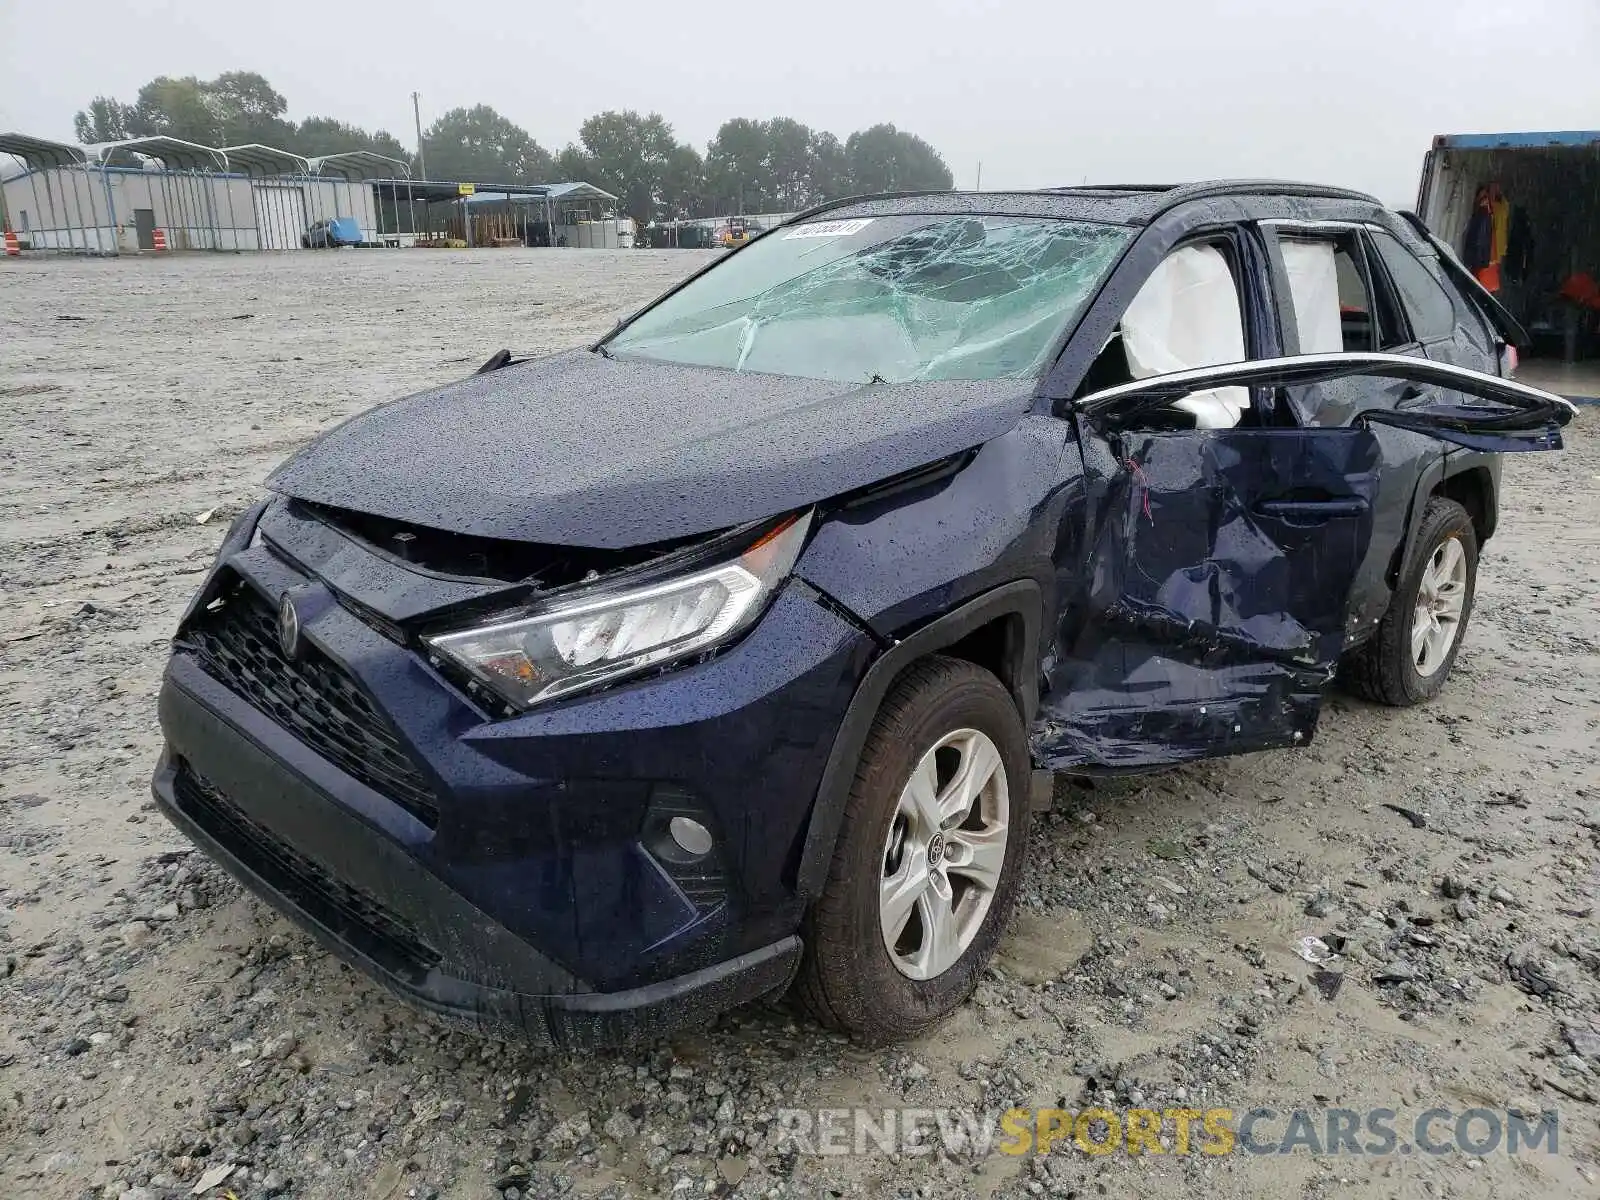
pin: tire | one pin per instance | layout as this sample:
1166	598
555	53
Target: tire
849	978
1387	668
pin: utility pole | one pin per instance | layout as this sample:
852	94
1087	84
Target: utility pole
416	111
979	186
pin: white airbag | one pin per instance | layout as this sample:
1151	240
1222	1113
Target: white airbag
1314	287
1187	315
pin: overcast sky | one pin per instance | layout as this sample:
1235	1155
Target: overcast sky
1040	91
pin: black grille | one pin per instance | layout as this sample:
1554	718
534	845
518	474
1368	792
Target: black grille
237	643
355	915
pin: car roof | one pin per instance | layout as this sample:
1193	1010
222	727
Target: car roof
1121	204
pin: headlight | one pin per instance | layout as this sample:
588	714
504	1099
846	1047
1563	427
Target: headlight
608	635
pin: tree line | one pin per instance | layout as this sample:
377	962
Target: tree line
777	165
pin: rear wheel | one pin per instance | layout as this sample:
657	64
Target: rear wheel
1409	658
925	872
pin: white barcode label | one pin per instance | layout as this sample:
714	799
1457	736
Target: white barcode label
828	228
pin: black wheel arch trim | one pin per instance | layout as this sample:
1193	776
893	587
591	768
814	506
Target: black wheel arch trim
1450	466
1022	599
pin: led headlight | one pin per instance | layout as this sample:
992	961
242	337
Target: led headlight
608	635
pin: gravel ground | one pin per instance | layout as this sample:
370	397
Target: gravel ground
158	1026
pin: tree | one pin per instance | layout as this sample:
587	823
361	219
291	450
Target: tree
737	174
750	166
683	184
781	165
886	159
479	145
105	120
246	108
789	163
629	155
176	108
830	168
573	164
326	135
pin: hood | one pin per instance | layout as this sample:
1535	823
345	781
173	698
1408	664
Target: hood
581	450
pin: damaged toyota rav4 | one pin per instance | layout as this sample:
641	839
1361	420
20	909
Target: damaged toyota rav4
592	695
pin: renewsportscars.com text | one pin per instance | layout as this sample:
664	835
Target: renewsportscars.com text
1180	1131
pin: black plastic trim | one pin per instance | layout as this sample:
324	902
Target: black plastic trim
1021	598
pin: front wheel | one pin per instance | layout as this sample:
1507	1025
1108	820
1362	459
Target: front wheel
1409	658
925	871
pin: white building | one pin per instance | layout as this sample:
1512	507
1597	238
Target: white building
123	197
115	198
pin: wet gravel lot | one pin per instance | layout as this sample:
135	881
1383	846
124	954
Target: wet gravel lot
159	1029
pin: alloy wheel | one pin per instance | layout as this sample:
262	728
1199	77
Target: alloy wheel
1441	598
944	854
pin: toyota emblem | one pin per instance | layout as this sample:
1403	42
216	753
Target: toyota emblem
288	627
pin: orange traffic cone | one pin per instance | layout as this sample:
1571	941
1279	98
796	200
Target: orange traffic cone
13	248
159	239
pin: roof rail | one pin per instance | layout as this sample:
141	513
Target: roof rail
1275	187
1173	193
1116	187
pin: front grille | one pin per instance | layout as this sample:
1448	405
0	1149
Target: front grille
312	697
360	918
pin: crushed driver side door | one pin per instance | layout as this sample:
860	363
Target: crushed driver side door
1210	607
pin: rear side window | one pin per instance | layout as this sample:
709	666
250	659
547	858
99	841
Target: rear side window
1328	292
1427	303
1337	303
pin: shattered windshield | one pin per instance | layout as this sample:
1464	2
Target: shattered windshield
890	299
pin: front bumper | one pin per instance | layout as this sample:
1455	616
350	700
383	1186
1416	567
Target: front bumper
374	906
504	872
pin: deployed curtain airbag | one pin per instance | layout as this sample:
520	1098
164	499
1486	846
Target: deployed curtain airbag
1187	315
1313	272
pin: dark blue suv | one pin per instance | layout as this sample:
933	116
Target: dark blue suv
592	695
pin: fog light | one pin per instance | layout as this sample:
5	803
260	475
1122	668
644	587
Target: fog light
682	835
693	838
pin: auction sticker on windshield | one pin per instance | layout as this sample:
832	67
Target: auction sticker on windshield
818	229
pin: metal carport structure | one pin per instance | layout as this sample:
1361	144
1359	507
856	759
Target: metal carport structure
370	168
434	194
576	208
272	192
186	180
53	224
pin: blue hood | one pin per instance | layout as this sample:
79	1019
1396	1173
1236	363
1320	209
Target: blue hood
580	450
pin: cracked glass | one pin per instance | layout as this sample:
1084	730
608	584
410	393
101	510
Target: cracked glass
893	299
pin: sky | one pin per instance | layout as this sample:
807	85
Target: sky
1040	92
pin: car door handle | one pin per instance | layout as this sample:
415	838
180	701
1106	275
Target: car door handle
1307	512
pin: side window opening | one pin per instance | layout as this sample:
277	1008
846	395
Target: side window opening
1189	313
1357	313
1394	331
